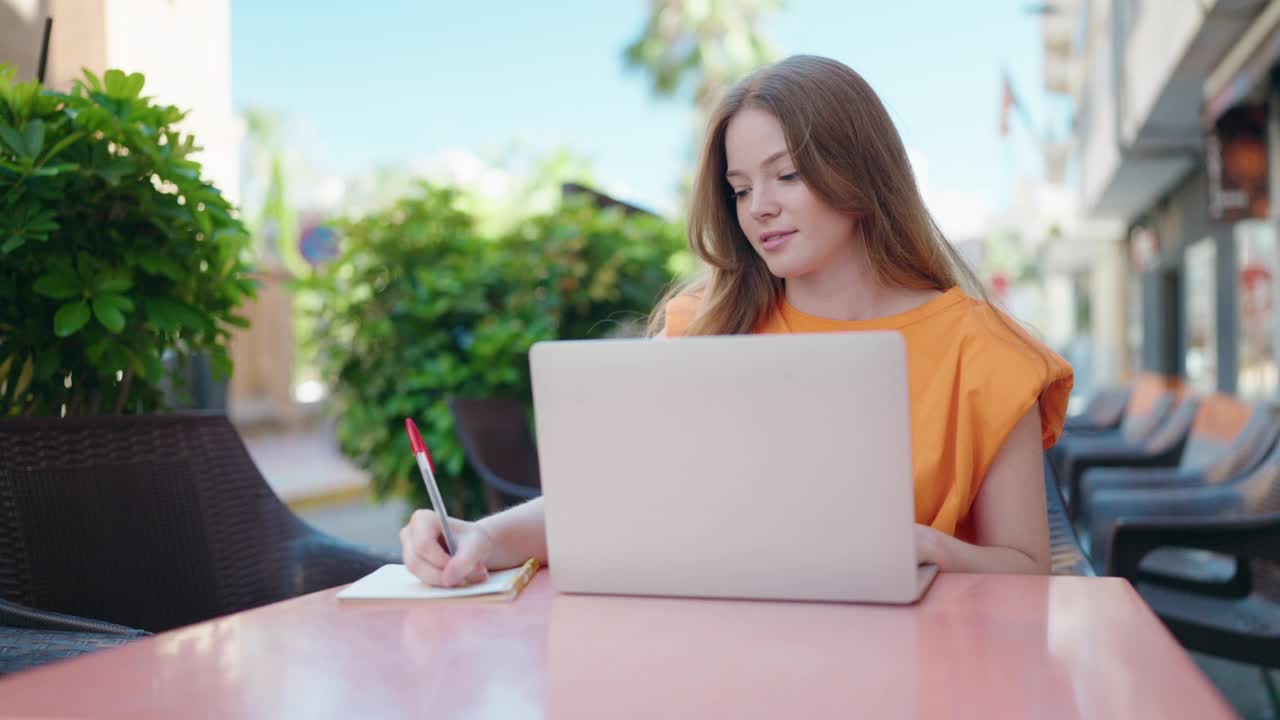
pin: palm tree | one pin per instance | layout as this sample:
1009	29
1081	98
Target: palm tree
273	222
710	43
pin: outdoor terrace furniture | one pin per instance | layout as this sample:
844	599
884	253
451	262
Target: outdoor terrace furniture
1251	494
1235	616
1227	438
1105	410
29	637
152	522
1162	448
497	439
1147	402
1067	555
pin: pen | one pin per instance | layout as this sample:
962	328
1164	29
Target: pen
427	468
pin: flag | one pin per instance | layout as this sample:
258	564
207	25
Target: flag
1007	103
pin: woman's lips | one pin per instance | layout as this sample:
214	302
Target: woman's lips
776	241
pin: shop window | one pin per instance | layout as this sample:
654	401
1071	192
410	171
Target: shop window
1201	359
1259	323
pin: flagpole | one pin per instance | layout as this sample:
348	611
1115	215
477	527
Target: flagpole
1008	102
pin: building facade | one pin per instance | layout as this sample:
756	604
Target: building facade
1174	118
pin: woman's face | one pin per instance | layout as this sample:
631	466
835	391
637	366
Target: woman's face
790	227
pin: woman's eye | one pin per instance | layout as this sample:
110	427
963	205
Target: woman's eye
790	176
739	194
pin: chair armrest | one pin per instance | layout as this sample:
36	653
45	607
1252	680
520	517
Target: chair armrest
1075	464
496	482
1108	508
1243	536
322	561
1074	442
20	616
1086	425
1096	479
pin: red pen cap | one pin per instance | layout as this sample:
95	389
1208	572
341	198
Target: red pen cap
415	440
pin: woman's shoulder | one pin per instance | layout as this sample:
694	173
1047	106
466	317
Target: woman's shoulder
984	329
679	311
1002	358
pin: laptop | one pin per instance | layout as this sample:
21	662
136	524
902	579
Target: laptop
773	467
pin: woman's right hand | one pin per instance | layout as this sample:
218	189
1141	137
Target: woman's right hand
422	545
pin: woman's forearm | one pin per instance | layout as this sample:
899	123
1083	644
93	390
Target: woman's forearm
953	555
518	533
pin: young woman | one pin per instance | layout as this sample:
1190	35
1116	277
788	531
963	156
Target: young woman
808	219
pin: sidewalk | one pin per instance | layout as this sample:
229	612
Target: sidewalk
324	488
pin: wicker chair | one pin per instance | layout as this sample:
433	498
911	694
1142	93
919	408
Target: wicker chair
1067	556
152	522
496	436
30	637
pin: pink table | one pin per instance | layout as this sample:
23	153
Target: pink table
977	646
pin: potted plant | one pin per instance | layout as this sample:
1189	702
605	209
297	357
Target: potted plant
118	262
420	305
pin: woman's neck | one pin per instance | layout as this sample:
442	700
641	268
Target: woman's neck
848	289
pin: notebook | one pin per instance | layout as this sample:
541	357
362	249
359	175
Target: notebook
395	582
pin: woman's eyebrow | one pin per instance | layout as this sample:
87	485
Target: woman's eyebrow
772	158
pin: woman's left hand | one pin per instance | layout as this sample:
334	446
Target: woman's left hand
927	545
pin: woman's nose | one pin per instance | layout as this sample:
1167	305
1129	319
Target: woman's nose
763	204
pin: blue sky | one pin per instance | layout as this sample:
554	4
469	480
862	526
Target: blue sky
395	81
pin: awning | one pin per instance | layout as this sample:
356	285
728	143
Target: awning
1244	67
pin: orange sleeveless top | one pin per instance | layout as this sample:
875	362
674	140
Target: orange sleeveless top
970	381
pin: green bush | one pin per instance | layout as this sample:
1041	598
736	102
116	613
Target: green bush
420	306
114	253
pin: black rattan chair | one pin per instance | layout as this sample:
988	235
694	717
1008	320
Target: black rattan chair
152	522
29	637
499	444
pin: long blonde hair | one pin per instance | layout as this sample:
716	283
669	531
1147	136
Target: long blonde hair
849	153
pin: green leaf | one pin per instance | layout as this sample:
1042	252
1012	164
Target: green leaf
220	364
14	242
33	134
117	169
171	315
147	365
121	86
113	281
203	222
107	309
14	140
113	80
120	301
61	145
162	313
70	318
135	83
84	264
59	286
54	169
96	351
91	81
161	265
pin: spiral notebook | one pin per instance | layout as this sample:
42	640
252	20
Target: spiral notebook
395	582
